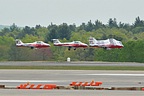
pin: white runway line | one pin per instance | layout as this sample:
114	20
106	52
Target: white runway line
114	74
29	81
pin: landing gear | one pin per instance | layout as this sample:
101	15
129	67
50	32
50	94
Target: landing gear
69	48
32	47
105	48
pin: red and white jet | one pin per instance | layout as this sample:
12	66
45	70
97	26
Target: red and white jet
36	44
74	44
106	44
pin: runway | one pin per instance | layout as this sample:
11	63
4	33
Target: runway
69	93
81	63
65	77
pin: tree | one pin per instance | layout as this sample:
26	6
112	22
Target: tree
82	27
64	31
89	26
98	24
13	27
138	22
52	33
112	23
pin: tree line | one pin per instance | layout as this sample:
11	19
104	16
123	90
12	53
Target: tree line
131	36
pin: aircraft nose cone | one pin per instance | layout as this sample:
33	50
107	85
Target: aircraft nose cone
86	45
48	44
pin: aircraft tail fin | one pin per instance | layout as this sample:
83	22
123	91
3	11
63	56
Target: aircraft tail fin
19	42
92	41
56	41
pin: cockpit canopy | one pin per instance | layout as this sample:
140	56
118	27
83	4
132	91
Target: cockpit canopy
77	42
39	42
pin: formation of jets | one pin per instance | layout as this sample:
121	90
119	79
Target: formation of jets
105	44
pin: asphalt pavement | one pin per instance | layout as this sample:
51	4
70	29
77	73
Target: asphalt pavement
110	78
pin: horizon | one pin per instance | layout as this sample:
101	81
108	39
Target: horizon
43	12
71	24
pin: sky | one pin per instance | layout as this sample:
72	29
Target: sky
44	12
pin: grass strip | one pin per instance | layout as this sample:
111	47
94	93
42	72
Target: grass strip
75	67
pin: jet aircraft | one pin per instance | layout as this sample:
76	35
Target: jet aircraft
106	44
36	44
73	44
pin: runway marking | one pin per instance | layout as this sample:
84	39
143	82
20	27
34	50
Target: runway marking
29	81
115	74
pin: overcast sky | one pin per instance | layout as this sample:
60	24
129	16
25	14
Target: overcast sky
43	12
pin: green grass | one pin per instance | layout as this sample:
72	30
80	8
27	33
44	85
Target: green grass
74	67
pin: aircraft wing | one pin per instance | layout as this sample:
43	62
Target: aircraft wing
29	45
68	45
